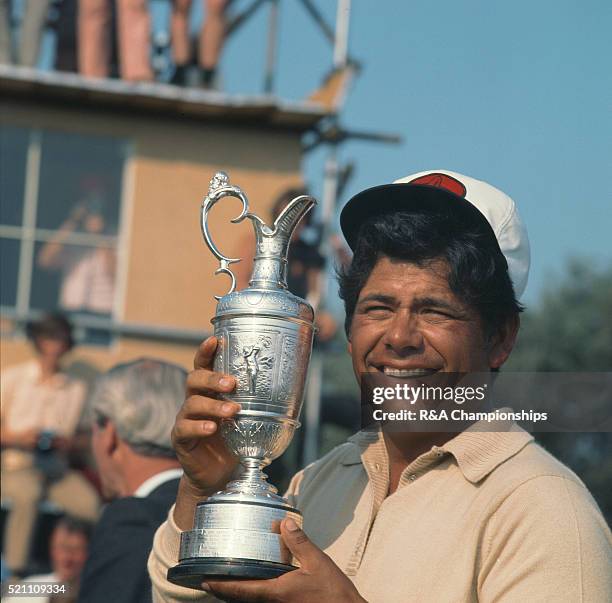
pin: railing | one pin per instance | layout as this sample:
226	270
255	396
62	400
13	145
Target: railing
83	323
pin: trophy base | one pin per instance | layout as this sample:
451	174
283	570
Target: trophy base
192	572
237	538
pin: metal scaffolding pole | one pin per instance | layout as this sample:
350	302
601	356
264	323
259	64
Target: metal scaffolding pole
271	48
312	412
343	15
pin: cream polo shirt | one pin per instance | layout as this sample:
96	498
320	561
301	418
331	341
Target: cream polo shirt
26	402
489	516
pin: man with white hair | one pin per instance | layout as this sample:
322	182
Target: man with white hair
134	405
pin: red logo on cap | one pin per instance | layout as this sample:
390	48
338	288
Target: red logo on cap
442	181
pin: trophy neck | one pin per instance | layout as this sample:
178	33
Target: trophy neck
269	269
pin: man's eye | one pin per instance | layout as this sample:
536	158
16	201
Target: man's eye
377	309
437	312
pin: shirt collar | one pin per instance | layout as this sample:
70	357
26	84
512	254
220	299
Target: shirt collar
477	451
360	442
156	481
34	373
484	446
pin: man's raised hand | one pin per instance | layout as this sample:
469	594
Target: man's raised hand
207	463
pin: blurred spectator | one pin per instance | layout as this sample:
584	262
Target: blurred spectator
305	266
88	273
133	32
32	27
67	552
40	409
212	36
135	405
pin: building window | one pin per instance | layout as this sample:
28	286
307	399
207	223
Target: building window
60	198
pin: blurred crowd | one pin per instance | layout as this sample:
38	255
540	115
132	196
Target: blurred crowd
64	452
88	469
103	38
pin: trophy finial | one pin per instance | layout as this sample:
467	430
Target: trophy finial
219	180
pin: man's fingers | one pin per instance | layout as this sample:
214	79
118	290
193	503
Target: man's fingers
204	380
199	417
205	354
200	407
246	591
186	430
308	554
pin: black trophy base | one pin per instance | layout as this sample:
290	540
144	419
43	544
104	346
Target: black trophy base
192	572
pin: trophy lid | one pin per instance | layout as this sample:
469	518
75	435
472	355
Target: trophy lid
263	302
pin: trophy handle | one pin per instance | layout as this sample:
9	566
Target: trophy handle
220	187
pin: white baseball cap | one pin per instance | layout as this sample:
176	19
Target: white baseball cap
469	199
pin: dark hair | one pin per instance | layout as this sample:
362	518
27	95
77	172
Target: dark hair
74	525
51	326
101	420
478	271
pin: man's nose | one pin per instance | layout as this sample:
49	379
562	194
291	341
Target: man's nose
404	335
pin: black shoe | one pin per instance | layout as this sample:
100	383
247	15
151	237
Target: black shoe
208	78
179	77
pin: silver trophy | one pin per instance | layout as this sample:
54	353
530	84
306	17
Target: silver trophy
265	338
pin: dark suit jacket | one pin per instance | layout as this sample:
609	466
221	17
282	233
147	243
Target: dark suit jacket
116	569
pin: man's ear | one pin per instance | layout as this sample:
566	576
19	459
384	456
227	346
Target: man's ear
109	438
503	341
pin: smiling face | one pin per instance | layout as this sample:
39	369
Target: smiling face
408	323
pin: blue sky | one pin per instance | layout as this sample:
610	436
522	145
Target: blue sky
516	93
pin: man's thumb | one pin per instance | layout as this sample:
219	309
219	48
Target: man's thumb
300	545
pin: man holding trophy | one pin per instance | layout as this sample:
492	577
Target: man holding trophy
440	260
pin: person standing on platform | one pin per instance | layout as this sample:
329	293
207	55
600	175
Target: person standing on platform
134	405
212	36
133	33
41	406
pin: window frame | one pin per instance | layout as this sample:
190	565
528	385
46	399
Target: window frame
28	235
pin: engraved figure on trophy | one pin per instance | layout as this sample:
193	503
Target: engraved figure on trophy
265	338
250	359
254	374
